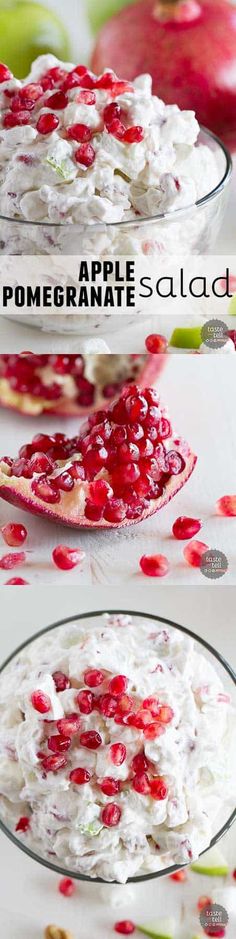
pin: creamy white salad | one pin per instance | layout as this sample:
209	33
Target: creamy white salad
115	746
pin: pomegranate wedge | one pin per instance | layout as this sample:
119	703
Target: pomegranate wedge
124	466
70	384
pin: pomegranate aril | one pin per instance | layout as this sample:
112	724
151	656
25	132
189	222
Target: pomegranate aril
141	719
8	561
85	154
5	74
93	677
118	684
134	134
115	511
93	512
100	491
57	74
141	784
110	786
85	701
23	824
125	927
67	558
174	462
63	482
66	886
68	725
111	112
165	714
79	132
41	702
155	343
47	123
117	753
90	739
155	565
58	743
227	506
158	788
153	730
111	815
58	101
14	535
135	432
86	97
193	553
203	902
61	681
128	452
124	704
179	876
136	407
16	582
107	704
14	119
80	776
139	764
152	704
43	490
51	764
184	527
41	463
164	428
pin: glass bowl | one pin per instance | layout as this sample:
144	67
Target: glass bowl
225	673
191	230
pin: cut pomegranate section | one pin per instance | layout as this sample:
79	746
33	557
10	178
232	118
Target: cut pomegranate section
136	488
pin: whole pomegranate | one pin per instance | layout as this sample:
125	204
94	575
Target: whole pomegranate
189	48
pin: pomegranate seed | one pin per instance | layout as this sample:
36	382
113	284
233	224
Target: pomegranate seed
158	788
185	527
86	702
202	902
117	753
16	582
5	74
13	120
139	764
134	134
125	704
47	123
56	73
111	815
125	927
66	886
115	511
153	730
68	725
85	154
154	565
41	463
217	931
110	786
8	561
14	535
116	128
141	719
107	705
91	740
156	343
179	876
23	824
100	491
58	101
166	714
110	113
58	743
61	681
164	428
67	558
118	684
41	702
193	553
152	704
234	874
86	97
141	784
80	776
43	490
79	132
227	506
93	677
52	764
137	408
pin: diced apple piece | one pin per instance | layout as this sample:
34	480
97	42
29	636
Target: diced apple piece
212	863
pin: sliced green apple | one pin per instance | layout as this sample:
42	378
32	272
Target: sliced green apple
186	337
232	306
161	929
212	863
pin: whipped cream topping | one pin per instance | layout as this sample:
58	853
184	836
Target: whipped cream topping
41	179
191	755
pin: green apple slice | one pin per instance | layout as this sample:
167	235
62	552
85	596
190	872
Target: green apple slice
232	306
212	863
186	337
161	929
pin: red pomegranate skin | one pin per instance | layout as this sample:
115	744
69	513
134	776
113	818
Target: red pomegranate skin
188	47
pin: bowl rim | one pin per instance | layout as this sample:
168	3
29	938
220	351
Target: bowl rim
159	619
132	223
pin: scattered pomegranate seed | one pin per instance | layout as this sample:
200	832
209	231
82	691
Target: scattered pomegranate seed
227	506
66	886
86	97
79	132
69	725
118	684
67	558
153	730
154	565
156	343
5	74
158	788
16	582
93	677
179	876
41	702
202	902
117	753
193	553
166	714
58	743
58	101
111	112
151	704
184	527
139	763
8	561
91	740
14	535
47	123
217	931
110	786
86	701
85	154
107	705
125	704
141	784
57	74
133	135
111	815
23	824
52	764
61	681
14	119
125	927
80	776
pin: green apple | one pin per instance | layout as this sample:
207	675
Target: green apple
28	30
161	929
186	337
212	863
100	12
232	306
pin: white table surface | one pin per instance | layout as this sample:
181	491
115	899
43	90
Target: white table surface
200	393
29	898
